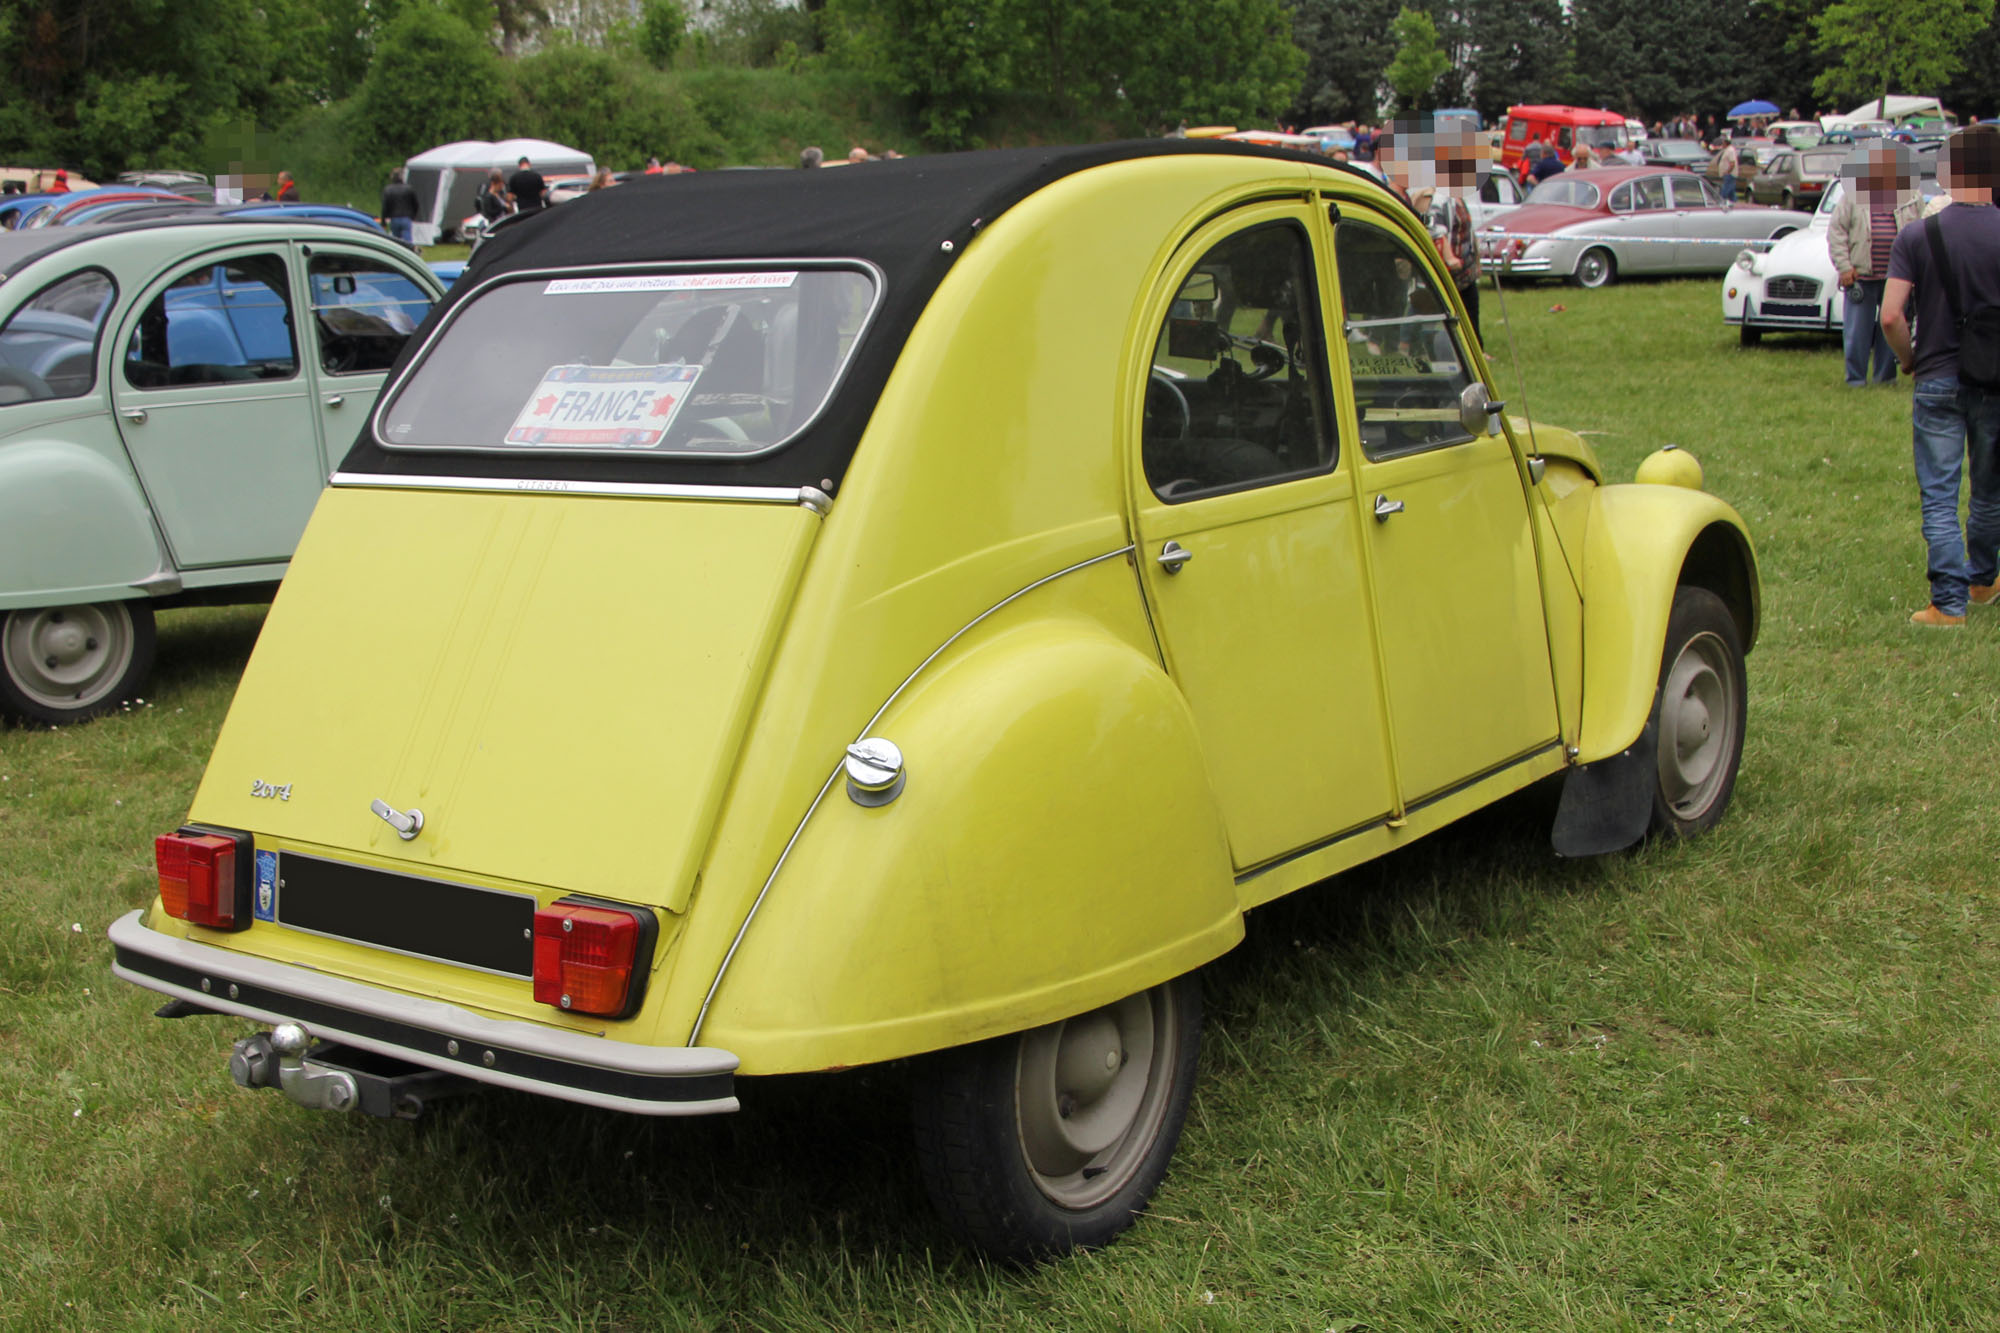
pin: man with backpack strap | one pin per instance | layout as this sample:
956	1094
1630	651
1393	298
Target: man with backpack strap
1950	264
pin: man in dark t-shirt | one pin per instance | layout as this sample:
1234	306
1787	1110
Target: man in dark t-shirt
1955	426
399	207
526	188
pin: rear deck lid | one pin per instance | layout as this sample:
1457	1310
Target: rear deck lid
559	682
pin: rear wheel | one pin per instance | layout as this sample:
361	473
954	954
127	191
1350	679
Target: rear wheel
1700	708
66	663
1596	268
1748	336
1053	1140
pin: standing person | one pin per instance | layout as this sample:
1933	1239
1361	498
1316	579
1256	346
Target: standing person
1954	422
810	157
491	201
399	207
1364	144
1458	245
525	188
1579	157
60	185
601	181
1547	165
1878	203
1725	167
288	189
654	167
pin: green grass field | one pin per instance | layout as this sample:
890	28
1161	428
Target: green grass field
1743	1082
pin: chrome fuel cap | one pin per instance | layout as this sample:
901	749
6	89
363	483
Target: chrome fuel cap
874	769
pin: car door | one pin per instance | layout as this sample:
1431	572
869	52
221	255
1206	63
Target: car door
1249	546
364	308
1450	544
1706	228
215	408
1645	243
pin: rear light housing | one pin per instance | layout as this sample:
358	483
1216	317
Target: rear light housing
205	876
592	956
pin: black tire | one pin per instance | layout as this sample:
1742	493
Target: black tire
1596	267
63	664
1748	336
1699	710
1007	1188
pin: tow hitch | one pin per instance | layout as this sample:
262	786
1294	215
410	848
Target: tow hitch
322	1076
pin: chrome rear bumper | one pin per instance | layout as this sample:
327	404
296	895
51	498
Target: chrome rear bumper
507	1053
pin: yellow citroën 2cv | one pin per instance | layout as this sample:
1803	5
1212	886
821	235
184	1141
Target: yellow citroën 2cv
786	621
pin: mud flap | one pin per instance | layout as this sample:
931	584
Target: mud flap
1608	806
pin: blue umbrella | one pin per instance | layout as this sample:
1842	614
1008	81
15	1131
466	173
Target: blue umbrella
1742	109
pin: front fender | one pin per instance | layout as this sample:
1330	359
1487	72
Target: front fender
1639	543
73	527
1057	846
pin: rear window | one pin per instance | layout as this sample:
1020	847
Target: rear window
1557	190
1822	164
681	363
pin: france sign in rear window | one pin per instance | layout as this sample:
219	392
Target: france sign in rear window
665	364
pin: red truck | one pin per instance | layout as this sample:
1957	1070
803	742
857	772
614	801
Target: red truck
1560	128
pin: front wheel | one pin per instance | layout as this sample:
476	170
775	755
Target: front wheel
1748	336
1053	1140
66	663
1700	708
1596	269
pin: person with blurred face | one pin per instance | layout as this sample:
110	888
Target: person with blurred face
1879	201
1955	422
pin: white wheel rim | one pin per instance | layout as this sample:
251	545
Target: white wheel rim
67	657
1698	726
1595	269
1091	1094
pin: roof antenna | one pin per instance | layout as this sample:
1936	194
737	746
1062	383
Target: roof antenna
1514	355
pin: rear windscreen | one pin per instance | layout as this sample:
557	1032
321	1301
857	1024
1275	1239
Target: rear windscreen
668	364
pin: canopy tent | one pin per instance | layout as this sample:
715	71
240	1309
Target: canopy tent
447	178
1894	108
1743	110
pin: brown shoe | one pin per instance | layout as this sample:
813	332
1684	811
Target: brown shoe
1983	594
1932	618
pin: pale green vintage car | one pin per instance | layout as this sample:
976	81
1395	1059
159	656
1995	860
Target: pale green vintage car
172	398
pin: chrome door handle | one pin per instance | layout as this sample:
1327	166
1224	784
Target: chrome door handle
1384	507
334	400
135	415
1172	556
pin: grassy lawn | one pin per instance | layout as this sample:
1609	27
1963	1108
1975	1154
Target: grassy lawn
1747	1081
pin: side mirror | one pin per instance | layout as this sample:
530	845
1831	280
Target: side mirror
344	284
1476	410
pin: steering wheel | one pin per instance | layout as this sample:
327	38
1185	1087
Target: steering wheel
1162	385
22	386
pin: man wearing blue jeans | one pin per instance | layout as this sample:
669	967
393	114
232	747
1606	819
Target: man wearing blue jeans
1955	427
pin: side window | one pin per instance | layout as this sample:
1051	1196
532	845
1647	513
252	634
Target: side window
1688	192
363	312
1649	194
1517	131
1621	199
216	324
1565	137
48	348
1238	391
1402	347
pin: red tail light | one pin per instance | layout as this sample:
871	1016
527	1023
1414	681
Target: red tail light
205	877
591	958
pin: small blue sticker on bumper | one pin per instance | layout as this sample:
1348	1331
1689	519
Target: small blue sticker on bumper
267	886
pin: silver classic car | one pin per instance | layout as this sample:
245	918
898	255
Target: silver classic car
1591	226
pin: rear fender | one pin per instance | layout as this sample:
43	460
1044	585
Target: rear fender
1640	542
73	527
1056	846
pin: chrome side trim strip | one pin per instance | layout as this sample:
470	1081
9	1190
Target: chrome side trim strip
130	934
744	929
784	495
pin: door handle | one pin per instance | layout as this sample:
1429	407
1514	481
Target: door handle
334	400
1384	507
135	415
1172	556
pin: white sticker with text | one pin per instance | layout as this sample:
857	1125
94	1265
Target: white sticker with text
604	407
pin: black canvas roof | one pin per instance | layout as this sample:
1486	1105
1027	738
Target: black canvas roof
911	218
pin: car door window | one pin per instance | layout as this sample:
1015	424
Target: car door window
216	323
363	311
1688	193
1403	350
1649	194
48	348
1238	392
1621	199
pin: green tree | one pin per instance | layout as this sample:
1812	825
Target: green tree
1231	61
662	25
1877	45
1520	52
1418	63
433	80
1347	45
948	57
